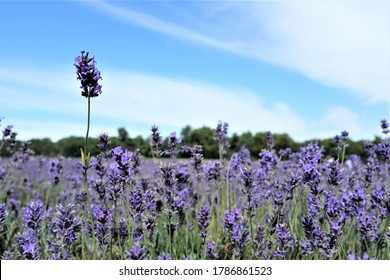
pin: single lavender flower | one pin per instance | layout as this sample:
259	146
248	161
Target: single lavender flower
173	142
150	224
7	255
156	141
88	75
196	161
334	172
284	240
137	206
66	224
204	219
81	197
7	131
239	235
220	134
213	171
383	150
267	159
102	222
164	257
168	174
2	216
136	253
313	232
270	139
332	205
31	249
211	252
33	215
116	183
123	232
248	180
182	177
368	225
135	161
385	126
55	170
104	142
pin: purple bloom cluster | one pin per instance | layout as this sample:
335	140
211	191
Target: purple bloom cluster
88	75
235	226
204	217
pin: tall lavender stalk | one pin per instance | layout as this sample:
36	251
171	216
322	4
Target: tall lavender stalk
89	77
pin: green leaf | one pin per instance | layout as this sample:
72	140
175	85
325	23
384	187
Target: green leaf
82	157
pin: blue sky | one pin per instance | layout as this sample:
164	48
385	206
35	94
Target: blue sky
307	68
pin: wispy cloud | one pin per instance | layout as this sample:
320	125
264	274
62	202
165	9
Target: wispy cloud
176	103
156	24
343	44
137	101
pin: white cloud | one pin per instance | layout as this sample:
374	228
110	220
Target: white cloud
54	90
56	129
338	43
137	101
171	103
337	119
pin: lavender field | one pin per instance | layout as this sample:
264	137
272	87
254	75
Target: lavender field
277	204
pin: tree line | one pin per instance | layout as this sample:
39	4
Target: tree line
204	136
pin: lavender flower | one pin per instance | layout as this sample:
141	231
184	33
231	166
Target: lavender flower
196	161
156	141
7	131
267	159
204	217
239	235
150	224
33	215
55	170
270	139
284	240
211	252
384	150
164	257
313	233
137	206
88	75
104	142
368	225
168	174
334	172
173	142
365	257
66	224
249	183
136	253
102	219
385	126
2	216
123	232
220	134
29	247
213	171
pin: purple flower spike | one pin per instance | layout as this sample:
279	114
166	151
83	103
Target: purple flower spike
204	217
88	75
165	257
2	216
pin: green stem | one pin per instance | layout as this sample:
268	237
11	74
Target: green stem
86	161
86	164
